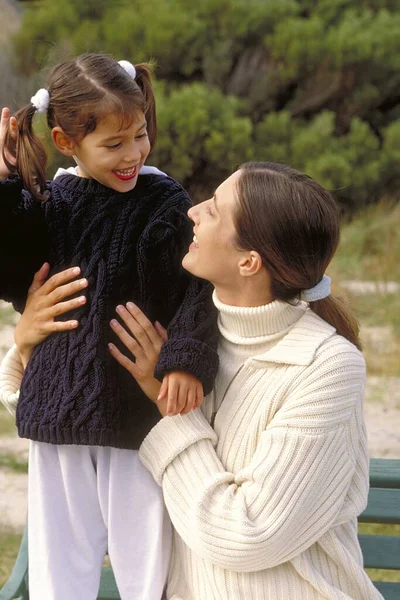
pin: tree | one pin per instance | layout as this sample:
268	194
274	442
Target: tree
313	83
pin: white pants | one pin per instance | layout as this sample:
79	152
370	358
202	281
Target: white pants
83	502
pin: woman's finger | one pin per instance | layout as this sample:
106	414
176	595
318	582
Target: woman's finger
127	340
63	291
145	323
137	329
62	307
59	279
123	360
162	332
39	278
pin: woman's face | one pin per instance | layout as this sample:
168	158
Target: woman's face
213	255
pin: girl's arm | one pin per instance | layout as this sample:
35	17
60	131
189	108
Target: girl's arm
291	492
23	232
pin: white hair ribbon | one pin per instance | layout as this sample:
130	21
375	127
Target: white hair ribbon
318	292
128	67
41	101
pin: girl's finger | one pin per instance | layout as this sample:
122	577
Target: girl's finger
173	393
144	322
163	393
199	396
190	402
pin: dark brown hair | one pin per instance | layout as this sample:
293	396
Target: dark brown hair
293	223
82	91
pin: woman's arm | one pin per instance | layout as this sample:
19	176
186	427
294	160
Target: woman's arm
292	490
45	301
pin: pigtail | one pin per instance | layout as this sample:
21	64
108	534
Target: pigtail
29	152
144	72
337	313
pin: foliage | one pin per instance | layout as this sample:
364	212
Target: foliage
310	82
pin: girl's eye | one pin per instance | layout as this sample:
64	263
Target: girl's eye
114	146
142	135
209	211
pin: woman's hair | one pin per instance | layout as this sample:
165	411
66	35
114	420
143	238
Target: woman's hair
82	91
293	223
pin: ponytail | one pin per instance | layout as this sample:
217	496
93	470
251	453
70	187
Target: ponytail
337	313
29	152
143	79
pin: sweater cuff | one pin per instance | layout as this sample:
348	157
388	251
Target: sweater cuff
170	437
191	356
11	374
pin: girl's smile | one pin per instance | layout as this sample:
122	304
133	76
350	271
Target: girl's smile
113	155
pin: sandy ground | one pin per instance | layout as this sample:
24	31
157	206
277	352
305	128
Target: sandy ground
382	414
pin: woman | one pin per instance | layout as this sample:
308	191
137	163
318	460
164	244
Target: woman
264	483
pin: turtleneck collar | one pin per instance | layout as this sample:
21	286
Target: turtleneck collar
253	325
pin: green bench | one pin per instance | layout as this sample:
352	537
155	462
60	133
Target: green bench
380	552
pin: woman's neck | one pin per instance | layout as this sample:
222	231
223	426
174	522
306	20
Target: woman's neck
248	294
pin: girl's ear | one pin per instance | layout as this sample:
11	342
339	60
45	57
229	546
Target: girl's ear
62	142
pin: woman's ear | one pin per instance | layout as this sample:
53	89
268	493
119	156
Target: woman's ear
62	142
250	264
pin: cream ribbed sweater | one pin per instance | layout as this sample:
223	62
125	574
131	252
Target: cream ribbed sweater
265	504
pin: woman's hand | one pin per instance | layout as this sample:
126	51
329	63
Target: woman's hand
144	343
5	120
179	392
45	301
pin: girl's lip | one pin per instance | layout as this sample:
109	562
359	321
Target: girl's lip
192	247
126	177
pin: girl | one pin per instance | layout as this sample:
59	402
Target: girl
85	416
263	484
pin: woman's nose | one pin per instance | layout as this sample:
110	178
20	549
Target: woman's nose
192	213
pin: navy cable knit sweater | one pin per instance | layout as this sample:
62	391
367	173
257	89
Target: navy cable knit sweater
130	247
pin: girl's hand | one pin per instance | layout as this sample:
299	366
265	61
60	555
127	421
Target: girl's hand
182	392
45	301
144	344
5	120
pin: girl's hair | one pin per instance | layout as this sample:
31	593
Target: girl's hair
293	223
82	91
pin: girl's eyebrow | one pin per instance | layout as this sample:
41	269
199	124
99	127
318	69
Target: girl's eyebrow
117	137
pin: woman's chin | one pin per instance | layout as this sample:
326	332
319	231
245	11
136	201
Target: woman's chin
189	264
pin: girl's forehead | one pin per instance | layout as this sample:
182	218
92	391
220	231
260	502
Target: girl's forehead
114	124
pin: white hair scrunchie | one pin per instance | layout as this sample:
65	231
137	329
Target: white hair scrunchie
128	67
318	292
41	101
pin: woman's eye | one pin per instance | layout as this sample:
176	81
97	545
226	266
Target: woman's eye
209	211
142	135
114	146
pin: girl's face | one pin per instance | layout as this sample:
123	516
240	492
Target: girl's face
114	156
213	254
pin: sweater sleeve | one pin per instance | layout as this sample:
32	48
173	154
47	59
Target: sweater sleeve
11	373
193	337
289	494
23	241
192	332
